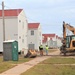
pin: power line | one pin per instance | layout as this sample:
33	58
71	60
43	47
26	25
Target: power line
21	14
32	19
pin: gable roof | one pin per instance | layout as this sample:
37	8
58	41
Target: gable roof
51	36
46	36
33	25
11	12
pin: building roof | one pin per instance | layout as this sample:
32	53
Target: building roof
33	25
51	36
11	12
48	35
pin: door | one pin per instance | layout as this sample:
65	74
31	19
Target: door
14	51
31	46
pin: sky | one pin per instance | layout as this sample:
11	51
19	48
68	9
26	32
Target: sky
49	13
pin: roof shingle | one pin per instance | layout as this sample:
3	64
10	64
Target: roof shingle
46	36
33	25
11	12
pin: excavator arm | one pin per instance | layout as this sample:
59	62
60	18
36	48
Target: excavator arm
69	27
68	42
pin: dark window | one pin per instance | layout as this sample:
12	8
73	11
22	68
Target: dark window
19	20
19	37
32	32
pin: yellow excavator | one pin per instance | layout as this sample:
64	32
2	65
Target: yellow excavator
68	42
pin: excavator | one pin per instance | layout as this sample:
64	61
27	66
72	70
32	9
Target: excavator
68	42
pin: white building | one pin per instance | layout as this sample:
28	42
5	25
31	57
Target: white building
34	36
15	28
59	41
51	40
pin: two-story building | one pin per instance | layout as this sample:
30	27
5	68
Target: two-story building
16	27
34	36
49	39
59	41
52	40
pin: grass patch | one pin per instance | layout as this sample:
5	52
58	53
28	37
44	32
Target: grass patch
47	67
5	65
60	60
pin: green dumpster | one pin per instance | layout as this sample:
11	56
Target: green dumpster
10	50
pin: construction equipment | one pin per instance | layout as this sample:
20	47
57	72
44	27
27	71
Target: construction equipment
68	42
31	54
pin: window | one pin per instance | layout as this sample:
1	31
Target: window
19	37
32	32
19	20
73	37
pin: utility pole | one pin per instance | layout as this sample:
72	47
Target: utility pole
3	20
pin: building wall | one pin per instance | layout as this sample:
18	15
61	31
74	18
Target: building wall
59	43
11	28
11	31
53	42
35	39
50	43
22	31
15	29
1	35
32	39
39	36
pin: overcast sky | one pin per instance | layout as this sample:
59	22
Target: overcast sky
49	13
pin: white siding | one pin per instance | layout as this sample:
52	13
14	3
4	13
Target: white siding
22	31
35	39
59	43
1	36
39	37
15	30
32	39
53	43
10	30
